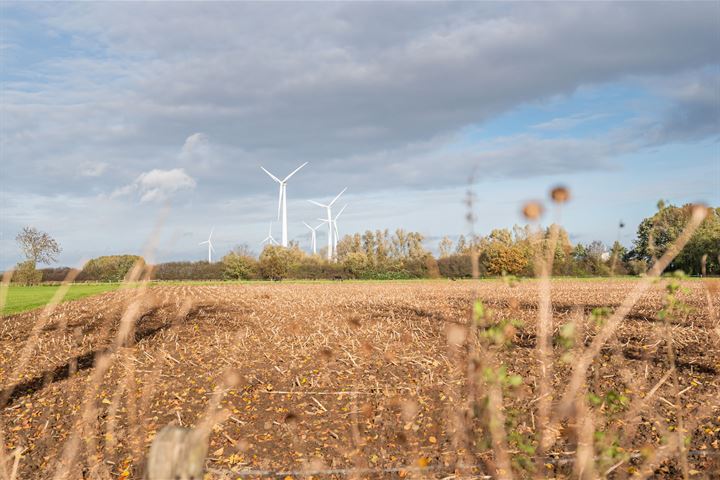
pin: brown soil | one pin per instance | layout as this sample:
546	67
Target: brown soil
352	376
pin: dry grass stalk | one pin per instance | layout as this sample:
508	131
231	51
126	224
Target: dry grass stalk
584	362
31	342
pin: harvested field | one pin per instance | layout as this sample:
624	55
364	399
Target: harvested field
377	378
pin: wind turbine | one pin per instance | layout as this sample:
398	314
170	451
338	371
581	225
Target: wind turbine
269	238
313	236
329	221
282	200
335	228
337	235
209	244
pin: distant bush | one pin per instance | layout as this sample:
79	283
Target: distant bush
112	268
455	266
27	274
275	262
315	268
188	271
237	266
55	274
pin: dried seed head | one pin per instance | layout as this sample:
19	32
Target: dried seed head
560	194
456	334
700	209
532	210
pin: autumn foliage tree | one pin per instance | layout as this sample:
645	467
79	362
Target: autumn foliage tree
38	247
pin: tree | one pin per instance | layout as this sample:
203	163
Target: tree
655	234
239	264
275	262
445	247
37	246
110	268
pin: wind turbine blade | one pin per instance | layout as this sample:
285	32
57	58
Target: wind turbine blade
323	220
308	226
294	172
271	175
317	203
211	247
279	201
336	230
340	212
203	243
319	225
211	232
338	196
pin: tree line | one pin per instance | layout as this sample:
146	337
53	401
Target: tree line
381	254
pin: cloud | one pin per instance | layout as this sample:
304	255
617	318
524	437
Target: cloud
196	145
157	185
342	81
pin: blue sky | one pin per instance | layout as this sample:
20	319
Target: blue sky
111	111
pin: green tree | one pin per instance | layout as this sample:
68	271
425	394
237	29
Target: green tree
239	264
275	262
656	233
110	268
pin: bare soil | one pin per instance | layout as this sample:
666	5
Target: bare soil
359	376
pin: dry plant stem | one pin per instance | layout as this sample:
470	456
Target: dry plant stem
4	285
678	401
584	362
70	451
3	457
585	425
497	431
544	348
32	340
102	365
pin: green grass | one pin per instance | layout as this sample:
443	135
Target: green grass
21	299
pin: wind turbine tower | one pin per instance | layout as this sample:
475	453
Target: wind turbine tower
328	208
209	244
282	200
336	236
313	236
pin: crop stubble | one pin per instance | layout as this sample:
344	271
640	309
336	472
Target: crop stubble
334	376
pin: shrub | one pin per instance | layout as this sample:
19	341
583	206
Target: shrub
188	271
238	267
112	268
27	274
455	266
55	274
275	262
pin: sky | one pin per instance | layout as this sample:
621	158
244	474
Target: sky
118	120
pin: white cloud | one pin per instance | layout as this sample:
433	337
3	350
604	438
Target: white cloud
157	184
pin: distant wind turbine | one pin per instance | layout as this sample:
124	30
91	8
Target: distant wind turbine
282	200
313	236
335	228
269	239
209	244
329	222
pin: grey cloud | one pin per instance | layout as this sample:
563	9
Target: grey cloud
339	81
